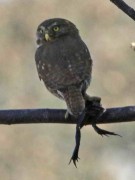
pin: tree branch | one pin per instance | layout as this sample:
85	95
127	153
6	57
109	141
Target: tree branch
125	8
26	116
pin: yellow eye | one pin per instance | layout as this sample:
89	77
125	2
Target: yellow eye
56	28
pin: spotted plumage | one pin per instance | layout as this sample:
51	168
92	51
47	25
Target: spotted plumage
63	62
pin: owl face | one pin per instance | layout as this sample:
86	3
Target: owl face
53	29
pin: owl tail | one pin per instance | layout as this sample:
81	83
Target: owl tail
74	100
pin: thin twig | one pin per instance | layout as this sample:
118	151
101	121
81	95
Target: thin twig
125	8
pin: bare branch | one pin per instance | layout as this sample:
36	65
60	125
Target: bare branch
125	8
26	116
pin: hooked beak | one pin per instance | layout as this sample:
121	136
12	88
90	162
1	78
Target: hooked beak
47	37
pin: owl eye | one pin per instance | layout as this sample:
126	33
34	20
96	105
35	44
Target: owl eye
56	28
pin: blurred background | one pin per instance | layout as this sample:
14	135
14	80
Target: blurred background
42	151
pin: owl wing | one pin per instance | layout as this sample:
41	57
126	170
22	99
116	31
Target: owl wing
76	63
81	63
62	65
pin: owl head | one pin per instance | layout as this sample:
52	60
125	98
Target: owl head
53	29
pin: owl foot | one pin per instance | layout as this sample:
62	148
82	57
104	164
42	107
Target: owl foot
103	132
74	157
92	98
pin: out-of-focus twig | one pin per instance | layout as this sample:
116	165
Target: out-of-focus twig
125	8
128	10
133	45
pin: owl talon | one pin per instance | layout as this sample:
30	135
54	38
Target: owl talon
75	159
65	71
103	132
92	98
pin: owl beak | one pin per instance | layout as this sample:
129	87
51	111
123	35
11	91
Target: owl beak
47	37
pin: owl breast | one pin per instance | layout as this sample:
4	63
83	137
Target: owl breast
63	63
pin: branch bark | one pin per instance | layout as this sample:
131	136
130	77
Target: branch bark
27	116
125	8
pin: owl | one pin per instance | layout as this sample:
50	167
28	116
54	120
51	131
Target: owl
64	65
63	62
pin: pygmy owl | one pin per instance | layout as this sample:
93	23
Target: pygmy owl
64	64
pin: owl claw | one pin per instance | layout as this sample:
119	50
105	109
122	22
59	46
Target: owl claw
75	159
103	132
